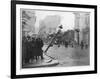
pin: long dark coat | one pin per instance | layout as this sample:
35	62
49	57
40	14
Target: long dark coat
38	47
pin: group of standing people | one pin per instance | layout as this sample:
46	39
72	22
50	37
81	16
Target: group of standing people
82	44
72	43
31	49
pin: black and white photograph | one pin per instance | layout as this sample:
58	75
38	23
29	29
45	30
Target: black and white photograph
52	38
55	38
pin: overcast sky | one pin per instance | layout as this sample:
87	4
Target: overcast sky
67	18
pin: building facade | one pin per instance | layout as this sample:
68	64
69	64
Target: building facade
28	20
82	27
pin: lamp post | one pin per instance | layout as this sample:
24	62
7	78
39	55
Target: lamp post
78	39
59	30
45	52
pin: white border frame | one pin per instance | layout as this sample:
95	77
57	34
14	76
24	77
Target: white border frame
20	71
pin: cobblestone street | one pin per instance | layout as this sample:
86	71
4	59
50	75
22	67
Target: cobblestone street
69	56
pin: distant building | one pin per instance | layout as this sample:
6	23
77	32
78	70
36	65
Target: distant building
49	25
28	21
68	35
82	26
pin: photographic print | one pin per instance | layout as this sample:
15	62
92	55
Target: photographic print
54	39
54	35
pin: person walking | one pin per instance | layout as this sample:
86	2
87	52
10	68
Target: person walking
82	44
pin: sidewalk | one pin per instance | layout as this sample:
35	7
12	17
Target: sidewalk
46	62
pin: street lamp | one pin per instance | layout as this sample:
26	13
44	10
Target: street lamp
59	31
77	31
47	57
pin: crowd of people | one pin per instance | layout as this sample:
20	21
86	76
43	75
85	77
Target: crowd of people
74	44
71	43
31	49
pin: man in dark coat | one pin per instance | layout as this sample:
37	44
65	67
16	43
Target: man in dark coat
24	50
38	48
66	43
33	48
28	49
82	44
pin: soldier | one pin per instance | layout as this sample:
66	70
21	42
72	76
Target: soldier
38	48
33	48
24	50
29	48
